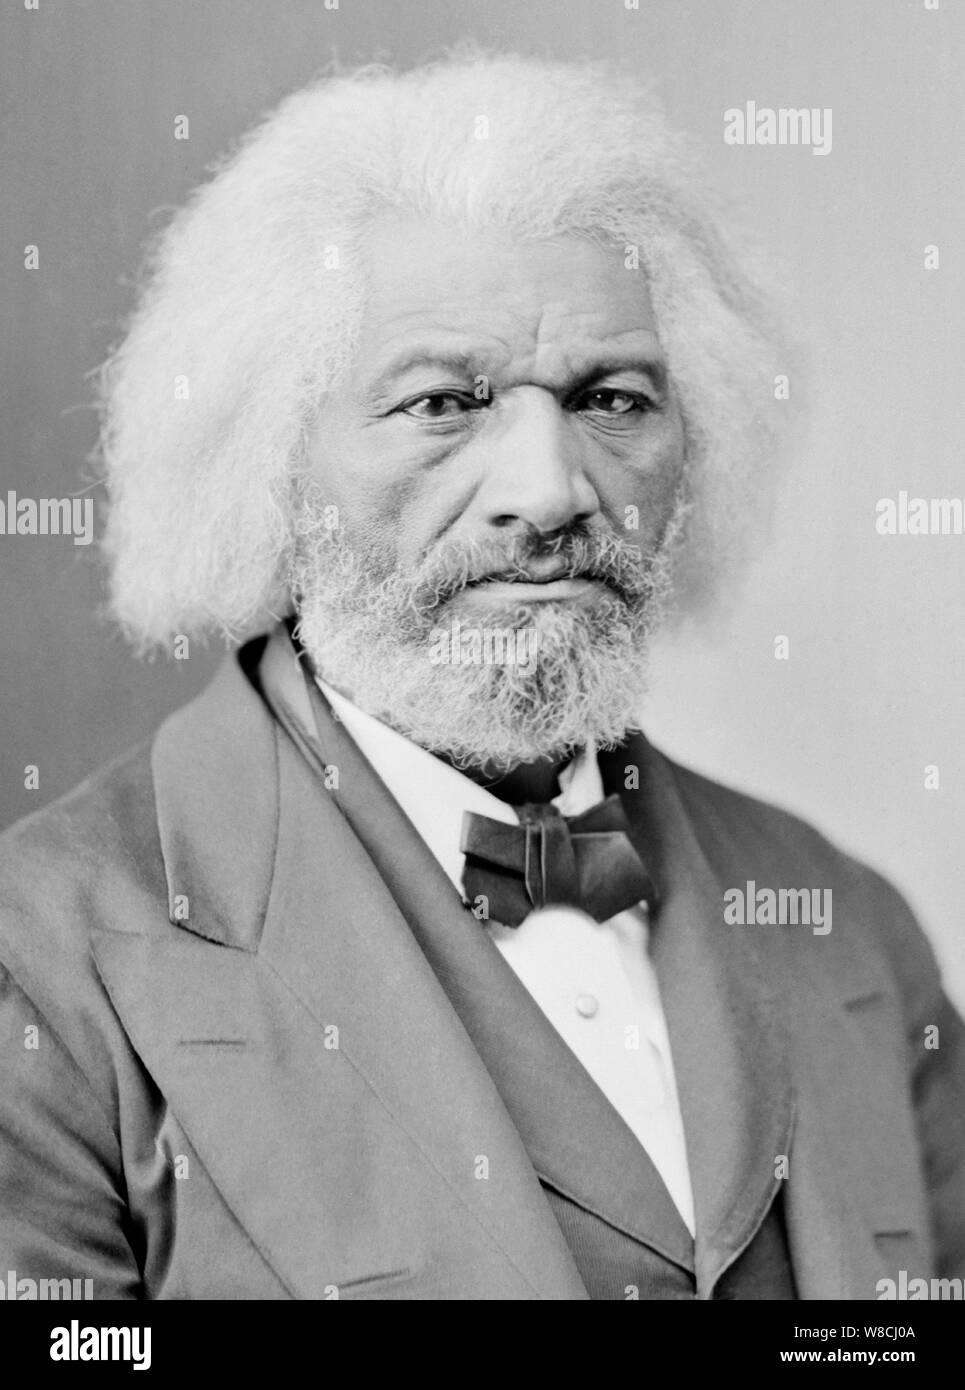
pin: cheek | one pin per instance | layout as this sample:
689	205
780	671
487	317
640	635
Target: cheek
379	509
640	480
412	489
345	464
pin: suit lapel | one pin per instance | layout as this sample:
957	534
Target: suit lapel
576	1140
728	1045
304	1043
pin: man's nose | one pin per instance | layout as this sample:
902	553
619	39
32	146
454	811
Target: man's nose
535	465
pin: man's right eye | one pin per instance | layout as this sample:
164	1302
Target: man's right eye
439	405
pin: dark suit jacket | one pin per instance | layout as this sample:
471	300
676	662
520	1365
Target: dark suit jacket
230	1071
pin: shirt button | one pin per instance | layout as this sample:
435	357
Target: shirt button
587	1004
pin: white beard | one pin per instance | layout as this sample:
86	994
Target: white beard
369	630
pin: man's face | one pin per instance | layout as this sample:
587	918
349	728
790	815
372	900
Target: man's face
508	413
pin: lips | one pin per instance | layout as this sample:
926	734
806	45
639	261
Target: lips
537	572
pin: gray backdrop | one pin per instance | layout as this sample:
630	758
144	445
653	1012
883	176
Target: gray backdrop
871	695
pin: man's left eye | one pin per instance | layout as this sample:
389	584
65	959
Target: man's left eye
609	401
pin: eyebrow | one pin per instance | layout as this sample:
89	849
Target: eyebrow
461	363
466	363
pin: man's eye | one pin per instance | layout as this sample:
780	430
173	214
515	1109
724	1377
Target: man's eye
613	402
438	405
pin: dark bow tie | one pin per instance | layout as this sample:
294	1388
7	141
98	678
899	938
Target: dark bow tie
584	861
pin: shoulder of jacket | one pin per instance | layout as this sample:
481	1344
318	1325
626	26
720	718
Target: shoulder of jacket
78	861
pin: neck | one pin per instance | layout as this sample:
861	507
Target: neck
536	781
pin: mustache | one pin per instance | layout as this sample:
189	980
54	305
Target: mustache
581	552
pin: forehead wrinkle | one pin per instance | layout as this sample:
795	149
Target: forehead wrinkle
462	356
580	353
553	365
526	327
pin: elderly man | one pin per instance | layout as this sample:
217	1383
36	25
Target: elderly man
400	964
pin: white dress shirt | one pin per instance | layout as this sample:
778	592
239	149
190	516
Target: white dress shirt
593	981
